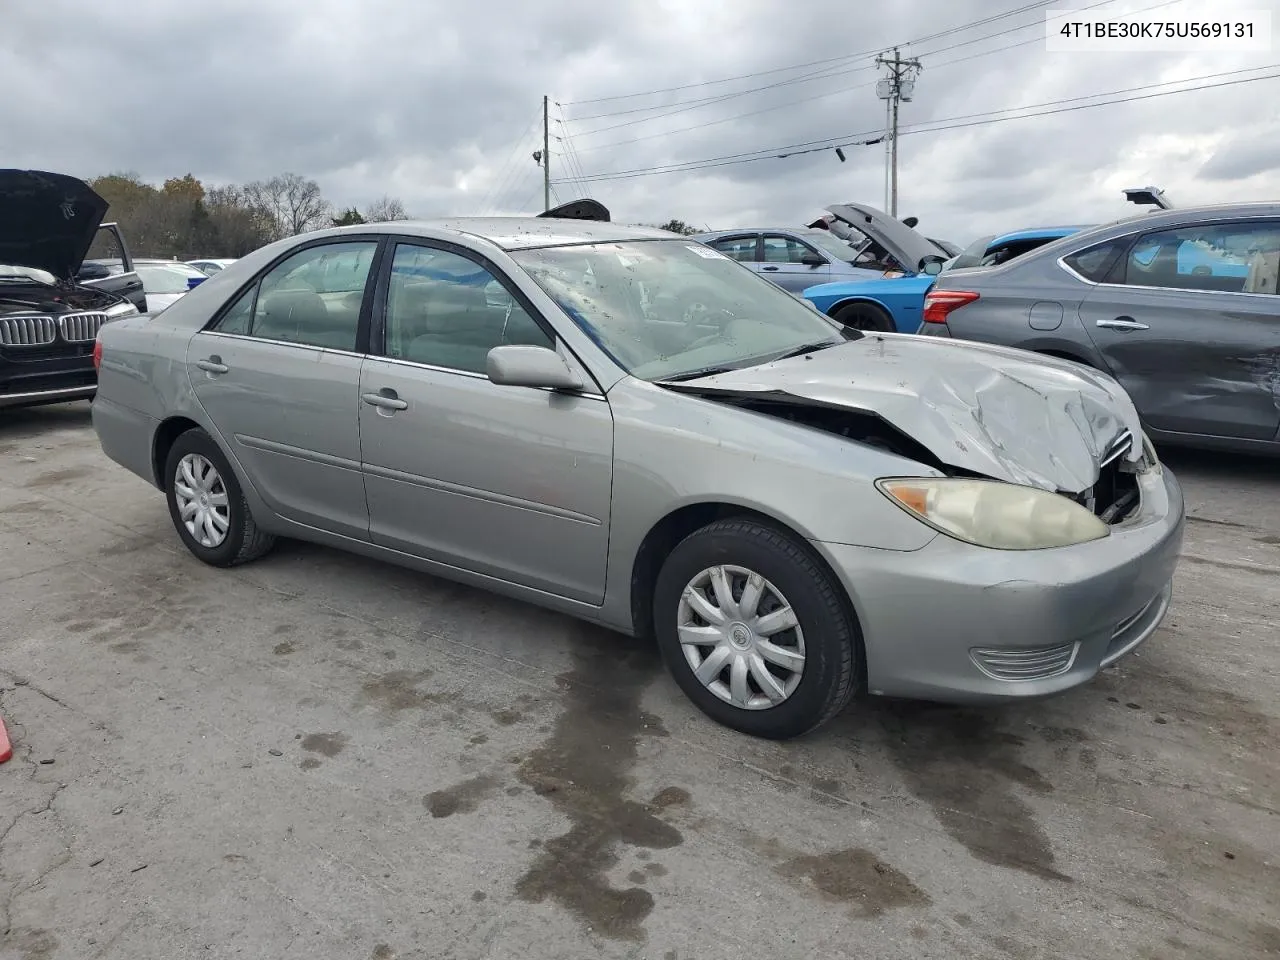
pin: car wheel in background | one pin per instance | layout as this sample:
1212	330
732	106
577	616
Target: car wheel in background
206	504
755	630
864	316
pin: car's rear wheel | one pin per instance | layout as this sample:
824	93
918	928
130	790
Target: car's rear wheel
207	506
755	630
864	316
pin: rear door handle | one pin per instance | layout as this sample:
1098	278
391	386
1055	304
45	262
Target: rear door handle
213	365
770	269
385	400
1123	323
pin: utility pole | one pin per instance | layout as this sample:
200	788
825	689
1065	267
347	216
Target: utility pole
897	87
546	153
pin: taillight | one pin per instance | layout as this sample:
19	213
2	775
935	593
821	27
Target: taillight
939	303
97	354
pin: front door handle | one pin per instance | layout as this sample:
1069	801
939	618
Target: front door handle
769	269
385	399
213	365
1123	323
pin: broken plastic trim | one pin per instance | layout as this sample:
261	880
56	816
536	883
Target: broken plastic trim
579	210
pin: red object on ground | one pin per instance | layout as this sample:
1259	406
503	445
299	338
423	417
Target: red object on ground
6	751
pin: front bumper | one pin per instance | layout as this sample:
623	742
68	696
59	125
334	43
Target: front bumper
964	624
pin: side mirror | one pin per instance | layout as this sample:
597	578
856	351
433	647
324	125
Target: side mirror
92	271
518	365
813	260
931	267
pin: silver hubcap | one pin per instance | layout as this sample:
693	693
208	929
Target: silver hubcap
202	500
740	637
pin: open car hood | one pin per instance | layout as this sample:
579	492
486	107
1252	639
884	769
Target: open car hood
904	244
1044	423
47	220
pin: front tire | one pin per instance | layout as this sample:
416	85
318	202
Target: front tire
207	505
866	317
755	631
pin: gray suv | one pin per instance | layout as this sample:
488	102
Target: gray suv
1180	306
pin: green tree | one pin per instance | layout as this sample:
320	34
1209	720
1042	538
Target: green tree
680	227
348	217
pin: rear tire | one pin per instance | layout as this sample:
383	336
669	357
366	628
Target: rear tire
866	317
741	665
207	506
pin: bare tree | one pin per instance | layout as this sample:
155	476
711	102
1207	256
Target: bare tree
387	208
294	203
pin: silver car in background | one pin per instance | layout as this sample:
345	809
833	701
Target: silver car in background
795	511
1180	306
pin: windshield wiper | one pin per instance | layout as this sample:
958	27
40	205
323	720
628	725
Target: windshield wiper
808	348
695	374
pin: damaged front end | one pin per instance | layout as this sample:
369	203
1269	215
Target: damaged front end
965	413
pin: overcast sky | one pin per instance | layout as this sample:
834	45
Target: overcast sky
439	104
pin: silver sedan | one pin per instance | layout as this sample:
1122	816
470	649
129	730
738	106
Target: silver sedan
636	430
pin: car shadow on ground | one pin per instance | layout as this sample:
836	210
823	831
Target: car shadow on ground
18	423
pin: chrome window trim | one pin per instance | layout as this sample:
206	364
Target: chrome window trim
1129	238
590	394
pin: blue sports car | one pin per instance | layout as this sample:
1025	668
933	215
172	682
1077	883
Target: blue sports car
908	263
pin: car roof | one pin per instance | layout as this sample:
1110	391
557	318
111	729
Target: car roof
1037	233
524	233
798	231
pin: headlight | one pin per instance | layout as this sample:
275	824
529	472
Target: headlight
988	513
120	310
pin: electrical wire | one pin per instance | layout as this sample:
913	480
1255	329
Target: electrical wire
936	126
812	63
823	96
827	73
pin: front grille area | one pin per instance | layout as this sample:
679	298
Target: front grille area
81	327
1025	663
1115	494
27	331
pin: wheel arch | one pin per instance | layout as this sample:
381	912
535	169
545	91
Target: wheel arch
163	440
663	536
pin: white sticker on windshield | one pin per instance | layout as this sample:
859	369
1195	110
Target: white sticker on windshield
707	253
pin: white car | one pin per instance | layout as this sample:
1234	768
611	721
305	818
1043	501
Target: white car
210	266
164	281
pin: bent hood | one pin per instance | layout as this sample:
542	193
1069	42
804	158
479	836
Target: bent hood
1045	423
47	220
909	248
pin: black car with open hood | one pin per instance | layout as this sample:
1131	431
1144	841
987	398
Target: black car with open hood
49	316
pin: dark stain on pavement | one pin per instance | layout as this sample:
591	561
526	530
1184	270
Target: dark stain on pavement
328	744
584	769
309	763
283	649
31	943
507	717
53	477
462	797
397	691
858	878
970	774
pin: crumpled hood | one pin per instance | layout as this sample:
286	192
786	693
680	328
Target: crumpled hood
47	220
1042	422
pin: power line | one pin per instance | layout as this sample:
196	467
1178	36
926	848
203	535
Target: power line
827	73
495	191
812	63
830	93
936	126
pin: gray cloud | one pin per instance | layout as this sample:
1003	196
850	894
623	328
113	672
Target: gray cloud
438	104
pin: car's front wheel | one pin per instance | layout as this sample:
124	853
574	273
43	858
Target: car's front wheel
864	316
755	630
207	506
